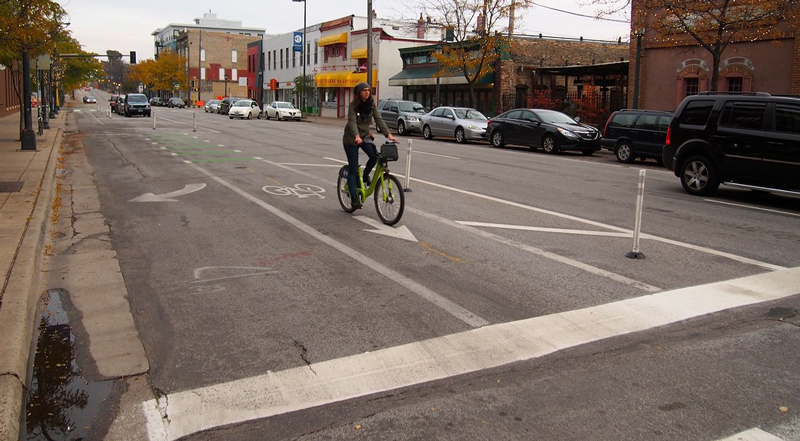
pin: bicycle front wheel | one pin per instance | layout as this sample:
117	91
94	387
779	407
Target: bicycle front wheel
389	200
343	192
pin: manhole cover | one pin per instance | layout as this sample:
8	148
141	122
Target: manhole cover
10	186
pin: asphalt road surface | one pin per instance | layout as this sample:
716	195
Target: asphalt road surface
502	306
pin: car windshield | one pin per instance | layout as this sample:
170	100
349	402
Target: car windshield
284	105
411	107
553	117
137	99
242	103
469	114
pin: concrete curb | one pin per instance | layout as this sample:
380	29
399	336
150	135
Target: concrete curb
20	298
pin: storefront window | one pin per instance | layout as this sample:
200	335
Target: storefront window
329	98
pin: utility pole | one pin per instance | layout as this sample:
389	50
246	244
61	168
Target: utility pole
369	44
28	136
199	66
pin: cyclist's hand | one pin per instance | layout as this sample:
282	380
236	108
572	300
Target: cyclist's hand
391	138
358	140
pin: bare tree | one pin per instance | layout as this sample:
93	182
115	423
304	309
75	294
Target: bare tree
711	24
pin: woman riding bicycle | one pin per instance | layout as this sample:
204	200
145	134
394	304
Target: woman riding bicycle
361	112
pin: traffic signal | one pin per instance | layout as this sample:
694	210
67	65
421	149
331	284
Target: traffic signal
133	57
192	84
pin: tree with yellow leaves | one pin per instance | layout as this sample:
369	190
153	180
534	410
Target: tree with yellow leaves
477	36
166	73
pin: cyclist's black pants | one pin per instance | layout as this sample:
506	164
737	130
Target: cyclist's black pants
352	162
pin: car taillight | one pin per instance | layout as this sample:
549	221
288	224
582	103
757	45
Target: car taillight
488	123
669	132
605	128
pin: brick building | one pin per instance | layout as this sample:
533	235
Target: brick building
9	99
216	54
669	72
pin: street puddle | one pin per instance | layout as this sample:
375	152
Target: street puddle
61	404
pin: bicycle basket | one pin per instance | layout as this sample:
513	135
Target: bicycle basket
389	151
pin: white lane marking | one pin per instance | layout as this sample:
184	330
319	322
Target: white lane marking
602	225
752	207
179	414
449	307
540	252
543	229
754	434
436	154
96	119
167	197
187	124
300	133
305	165
401	232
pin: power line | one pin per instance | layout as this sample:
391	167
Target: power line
581	15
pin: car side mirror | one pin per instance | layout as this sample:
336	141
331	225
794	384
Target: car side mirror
451	117
577	119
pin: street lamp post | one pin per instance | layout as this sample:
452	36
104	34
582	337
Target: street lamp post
369	43
303	62
226	85
637	67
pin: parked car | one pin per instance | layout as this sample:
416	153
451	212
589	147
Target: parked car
211	106
89	99
244	109
282	110
461	123
226	103
402	115
634	133
550	130
119	105
176	102
748	141
156	101
112	102
136	104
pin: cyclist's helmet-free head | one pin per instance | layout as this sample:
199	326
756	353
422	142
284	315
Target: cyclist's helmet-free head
359	87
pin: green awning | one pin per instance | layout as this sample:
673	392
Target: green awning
424	76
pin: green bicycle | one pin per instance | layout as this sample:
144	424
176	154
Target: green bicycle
386	188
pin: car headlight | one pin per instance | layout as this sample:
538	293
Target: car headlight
567	133
412	119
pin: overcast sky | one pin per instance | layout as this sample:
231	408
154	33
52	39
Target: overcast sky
100	25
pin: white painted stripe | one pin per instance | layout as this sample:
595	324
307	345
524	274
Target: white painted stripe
307	165
436	154
602	225
752	207
543	229
754	434
410	284
187	124
176	415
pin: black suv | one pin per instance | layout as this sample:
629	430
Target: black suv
135	104
750	141
402	115
634	133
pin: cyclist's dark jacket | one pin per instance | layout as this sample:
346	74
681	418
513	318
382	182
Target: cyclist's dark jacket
359	125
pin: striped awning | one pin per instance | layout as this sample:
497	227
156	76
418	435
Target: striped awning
332	39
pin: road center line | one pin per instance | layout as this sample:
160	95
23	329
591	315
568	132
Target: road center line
413	286
176	415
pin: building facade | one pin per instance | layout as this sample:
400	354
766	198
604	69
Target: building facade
216	53
668	72
9	99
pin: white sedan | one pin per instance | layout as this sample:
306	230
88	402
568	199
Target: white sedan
282	110
244	109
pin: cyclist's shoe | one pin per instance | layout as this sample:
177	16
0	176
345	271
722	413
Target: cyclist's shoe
357	205
367	181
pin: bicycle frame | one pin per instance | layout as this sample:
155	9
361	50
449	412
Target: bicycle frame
366	192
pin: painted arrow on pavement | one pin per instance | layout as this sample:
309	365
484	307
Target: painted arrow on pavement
167	197
400	232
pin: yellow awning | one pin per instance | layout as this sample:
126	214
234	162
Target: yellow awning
332	39
359	53
343	79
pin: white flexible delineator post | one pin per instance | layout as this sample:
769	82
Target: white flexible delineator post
635	253
408	167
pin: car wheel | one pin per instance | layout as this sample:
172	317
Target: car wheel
497	139
401	128
549	144
699	176
248	115
624	152
426	132
230	117
461	138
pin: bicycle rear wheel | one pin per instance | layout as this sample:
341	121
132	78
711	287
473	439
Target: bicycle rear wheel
343	192
389	199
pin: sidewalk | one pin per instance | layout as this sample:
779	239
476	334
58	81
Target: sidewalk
27	188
